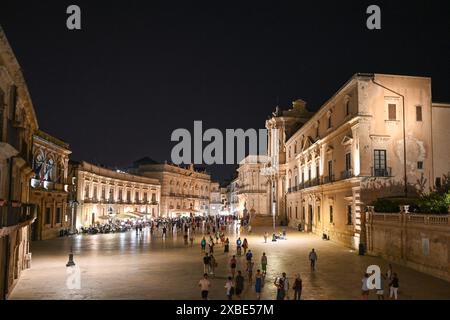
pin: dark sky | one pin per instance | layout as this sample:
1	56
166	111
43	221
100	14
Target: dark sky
140	69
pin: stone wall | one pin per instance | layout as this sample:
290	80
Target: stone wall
421	242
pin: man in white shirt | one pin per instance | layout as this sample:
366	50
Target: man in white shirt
204	285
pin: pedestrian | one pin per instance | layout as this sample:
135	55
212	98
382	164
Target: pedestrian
204	285
297	287
206	260
264	263
238	246
239	284
211	247
313	259
245	245
286	286
203	244
227	246
365	288
380	290
212	263
185	237
233	263
229	286
279	284
258	284
164	232
249	255
250	265
394	285
265	236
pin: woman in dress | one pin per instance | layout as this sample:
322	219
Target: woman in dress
258	284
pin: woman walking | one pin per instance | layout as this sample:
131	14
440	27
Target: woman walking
227	246
258	284
297	287
394	285
203	244
245	245
229	286
233	263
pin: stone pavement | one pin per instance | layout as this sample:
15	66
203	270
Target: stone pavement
126	266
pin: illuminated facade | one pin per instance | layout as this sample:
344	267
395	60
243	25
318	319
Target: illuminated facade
253	191
215	203
352	152
49	186
184	191
18	123
101	194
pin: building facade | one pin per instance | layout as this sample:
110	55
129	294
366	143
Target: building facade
18	123
50	186
100	194
372	139
184	191
233	198
253	191
215	203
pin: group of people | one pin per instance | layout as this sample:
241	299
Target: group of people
390	277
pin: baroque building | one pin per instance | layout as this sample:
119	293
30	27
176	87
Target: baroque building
49	186
253	191
372	139
99	194
18	123
184	191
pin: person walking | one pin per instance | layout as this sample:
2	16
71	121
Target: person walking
297	287
279	284
206	262
258	284
264	263
233	263
380	290
394	285
266	235
364	287
203	244
249	255
239	284
313	259
211	247
238	246
250	266
227	246
245	245
204	285
286	286
164	231
212	263
229	286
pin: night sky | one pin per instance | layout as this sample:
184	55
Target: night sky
137	70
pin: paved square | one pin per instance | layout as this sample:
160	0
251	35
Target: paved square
126	266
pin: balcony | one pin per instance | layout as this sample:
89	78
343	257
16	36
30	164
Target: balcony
346	174
382	172
329	178
11	216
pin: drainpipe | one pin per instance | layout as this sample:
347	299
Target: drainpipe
404	132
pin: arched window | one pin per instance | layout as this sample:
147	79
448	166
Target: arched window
49	174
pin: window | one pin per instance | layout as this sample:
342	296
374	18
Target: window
347	108
392	110
349	215
58	215
348	161
153	197
295	181
329	122
48	216
295	148
330	169
289	183
380	163
289	153
136	196
86	191
317	131
95	192
317	172
120	194
309	173
318	213
145	197
303	214
128	195
103	192
296	214
419	165
418	113
331	214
